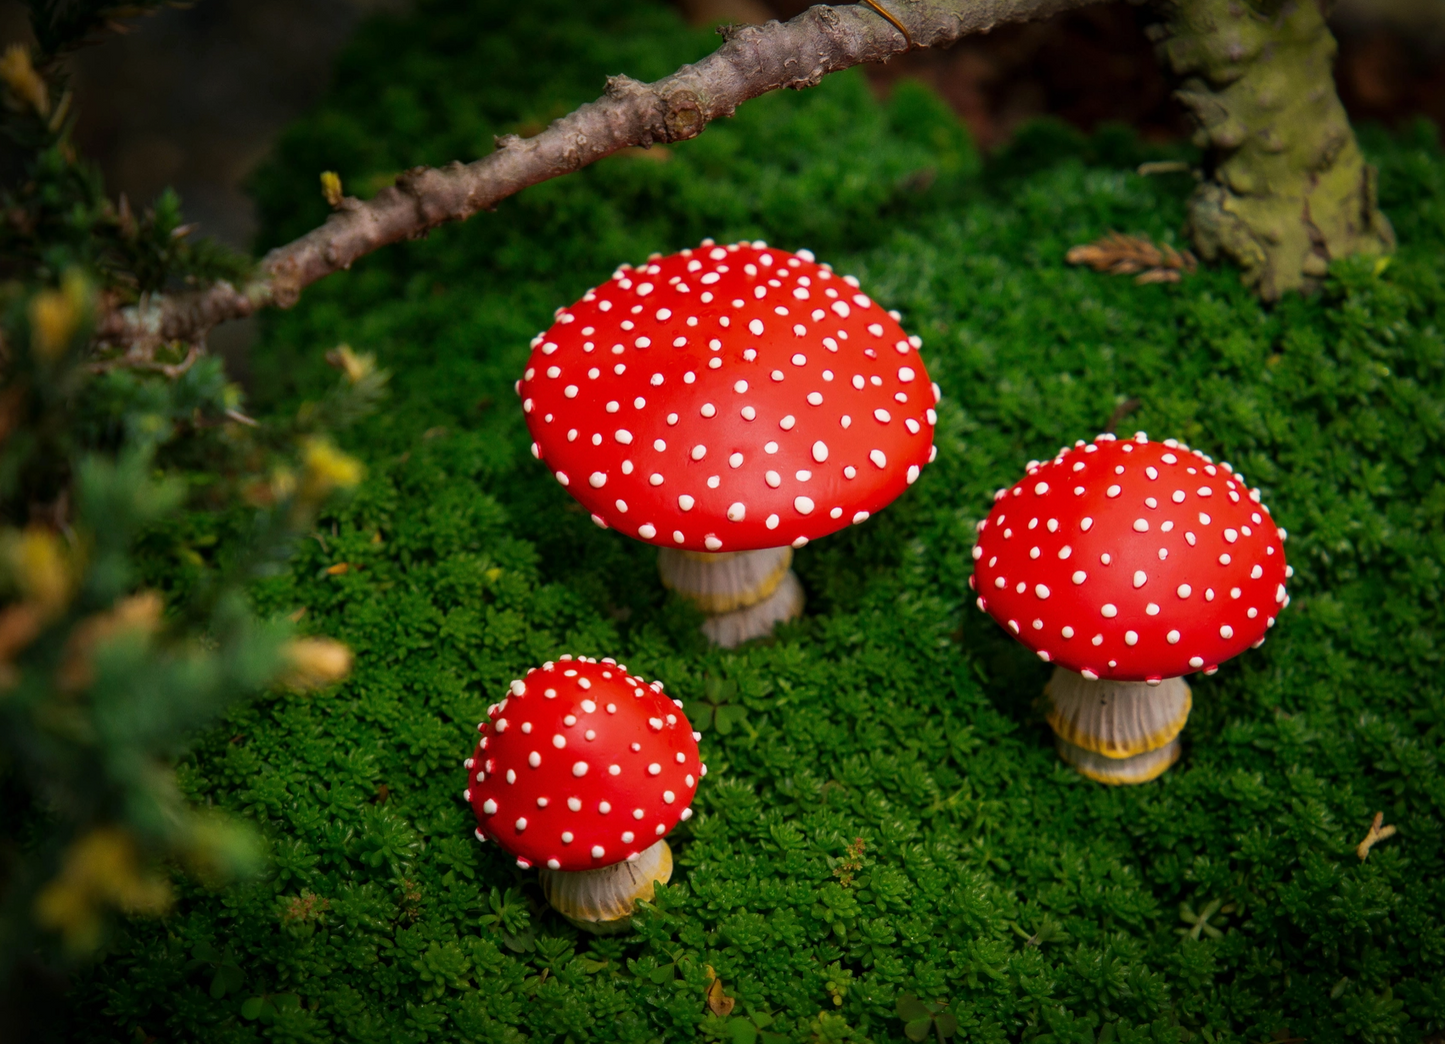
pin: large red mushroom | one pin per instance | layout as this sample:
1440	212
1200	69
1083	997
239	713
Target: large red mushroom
730	404
581	771
1129	563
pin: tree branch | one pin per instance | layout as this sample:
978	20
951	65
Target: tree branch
753	61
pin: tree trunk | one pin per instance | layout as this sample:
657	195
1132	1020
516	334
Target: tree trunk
1286	189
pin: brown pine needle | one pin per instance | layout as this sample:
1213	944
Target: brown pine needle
1119	254
1377	833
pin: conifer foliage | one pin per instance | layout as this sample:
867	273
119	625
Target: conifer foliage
118	638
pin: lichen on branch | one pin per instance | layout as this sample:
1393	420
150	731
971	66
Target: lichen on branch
1287	189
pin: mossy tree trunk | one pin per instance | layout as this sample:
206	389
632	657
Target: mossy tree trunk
1286	189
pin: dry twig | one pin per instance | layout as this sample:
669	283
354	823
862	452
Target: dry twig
1126	255
754	60
1377	833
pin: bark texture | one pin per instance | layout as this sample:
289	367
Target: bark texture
1286	189
753	61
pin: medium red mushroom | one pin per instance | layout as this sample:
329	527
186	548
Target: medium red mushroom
582	771
1129	564
730	404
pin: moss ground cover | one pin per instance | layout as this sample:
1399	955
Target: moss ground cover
884	816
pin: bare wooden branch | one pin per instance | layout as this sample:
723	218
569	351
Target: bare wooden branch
753	61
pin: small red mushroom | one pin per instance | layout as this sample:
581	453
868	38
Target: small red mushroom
582	770
1129	563
729	399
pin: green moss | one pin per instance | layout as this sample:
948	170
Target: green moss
1038	906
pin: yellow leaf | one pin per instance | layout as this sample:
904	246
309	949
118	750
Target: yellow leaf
331	187
317	662
100	870
718	1002
22	79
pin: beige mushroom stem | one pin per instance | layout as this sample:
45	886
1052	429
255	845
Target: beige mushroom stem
1117	731
601	901
744	593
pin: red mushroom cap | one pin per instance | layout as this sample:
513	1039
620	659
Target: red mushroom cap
583	765
729	399
1132	560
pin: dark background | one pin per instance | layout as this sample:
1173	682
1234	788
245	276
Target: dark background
193	97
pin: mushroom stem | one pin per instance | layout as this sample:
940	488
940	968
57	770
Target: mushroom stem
601	901
1112	730
1141	768
741	625
744	593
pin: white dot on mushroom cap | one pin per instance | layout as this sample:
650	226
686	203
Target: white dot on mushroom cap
735	460
654	769
685	502
1203	519
489	807
1131	637
1140	578
878	457
1041	591
1224	559
1141	525
1086	523
803	505
1184	591
1226	631
1152	609
1109	610
1113	491
820	451
712	543
737	511
579	768
1079	576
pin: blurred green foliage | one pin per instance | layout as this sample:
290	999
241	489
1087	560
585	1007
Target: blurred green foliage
993	885
103	676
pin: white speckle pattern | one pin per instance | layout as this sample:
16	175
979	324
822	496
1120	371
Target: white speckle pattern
770	319
1114	502
657	782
